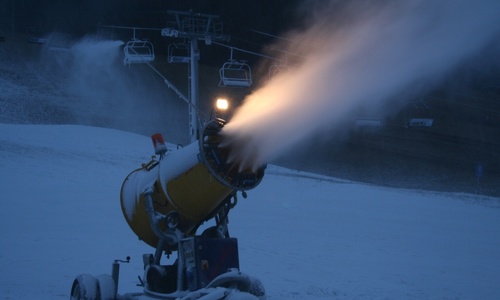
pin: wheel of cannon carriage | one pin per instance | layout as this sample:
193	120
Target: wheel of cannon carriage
107	287
257	288
85	287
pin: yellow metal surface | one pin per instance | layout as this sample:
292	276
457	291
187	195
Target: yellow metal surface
131	198
195	194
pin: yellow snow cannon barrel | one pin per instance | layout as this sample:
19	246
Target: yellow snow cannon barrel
192	181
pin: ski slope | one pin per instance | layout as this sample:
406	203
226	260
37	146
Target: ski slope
305	236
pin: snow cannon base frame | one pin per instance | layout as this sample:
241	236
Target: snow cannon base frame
207	267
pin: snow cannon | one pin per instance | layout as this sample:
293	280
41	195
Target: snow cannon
187	186
165	202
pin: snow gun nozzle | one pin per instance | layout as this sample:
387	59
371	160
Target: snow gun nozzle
217	153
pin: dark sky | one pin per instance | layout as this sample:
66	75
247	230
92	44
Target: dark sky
242	20
82	16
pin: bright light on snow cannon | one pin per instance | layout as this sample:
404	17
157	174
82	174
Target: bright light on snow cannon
221	108
222	104
192	182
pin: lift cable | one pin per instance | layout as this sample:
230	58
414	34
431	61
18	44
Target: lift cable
271	35
264	46
245	51
131	27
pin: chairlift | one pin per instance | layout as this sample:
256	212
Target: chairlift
178	53
138	51
235	73
276	69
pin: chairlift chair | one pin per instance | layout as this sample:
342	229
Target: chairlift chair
178	53
277	69
235	73
138	51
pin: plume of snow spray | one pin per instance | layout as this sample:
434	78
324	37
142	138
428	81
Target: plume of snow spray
354	54
93	71
105	92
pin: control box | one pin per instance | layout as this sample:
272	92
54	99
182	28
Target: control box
207	258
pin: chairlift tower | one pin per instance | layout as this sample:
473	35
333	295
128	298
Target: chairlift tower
194	27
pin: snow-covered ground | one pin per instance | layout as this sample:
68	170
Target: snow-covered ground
305	236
